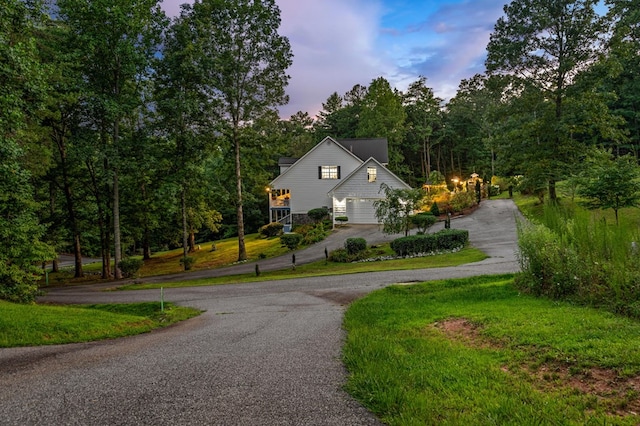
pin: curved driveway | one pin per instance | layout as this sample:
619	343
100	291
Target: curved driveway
262	353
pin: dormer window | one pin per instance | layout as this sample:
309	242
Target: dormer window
371	174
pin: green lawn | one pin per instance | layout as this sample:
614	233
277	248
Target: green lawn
478	352
33	325
322	268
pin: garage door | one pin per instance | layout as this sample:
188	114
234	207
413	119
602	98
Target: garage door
361	210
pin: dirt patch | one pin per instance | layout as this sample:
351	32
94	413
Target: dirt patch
621	395
342	298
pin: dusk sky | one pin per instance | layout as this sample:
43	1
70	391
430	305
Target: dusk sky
340	43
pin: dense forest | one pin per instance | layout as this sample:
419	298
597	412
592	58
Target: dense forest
123	131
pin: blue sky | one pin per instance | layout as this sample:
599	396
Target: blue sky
340	43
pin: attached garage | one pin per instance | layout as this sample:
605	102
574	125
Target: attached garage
355	195
361	210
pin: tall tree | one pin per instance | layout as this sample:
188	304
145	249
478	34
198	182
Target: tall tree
383	116
118	40
22	91
186	115
423	119
245	61
547	43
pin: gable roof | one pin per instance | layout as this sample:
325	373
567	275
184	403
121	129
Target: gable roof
363	165
363	148
328	139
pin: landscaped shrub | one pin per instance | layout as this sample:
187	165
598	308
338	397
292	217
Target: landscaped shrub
318	214
355	245
291	241
130	266
446	240
187	262
423	221
435	210
451	239
272	229
414	244
339	255
462	200
342	219
315	234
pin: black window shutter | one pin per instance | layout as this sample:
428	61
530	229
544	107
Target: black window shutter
338	172
319	172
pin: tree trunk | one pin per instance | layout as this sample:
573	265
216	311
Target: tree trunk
192	241
242	251
117	247
183	201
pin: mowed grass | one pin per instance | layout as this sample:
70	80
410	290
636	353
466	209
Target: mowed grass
33	325
168	262
478	352
322	268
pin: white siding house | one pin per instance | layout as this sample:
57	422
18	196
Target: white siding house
332	174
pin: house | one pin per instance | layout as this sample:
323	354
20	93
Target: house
342	175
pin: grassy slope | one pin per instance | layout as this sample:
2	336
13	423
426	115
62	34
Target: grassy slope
32	325
477	351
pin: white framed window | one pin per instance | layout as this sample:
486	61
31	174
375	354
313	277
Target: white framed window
372	174
329	172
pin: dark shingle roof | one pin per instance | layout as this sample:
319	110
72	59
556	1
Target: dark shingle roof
366	148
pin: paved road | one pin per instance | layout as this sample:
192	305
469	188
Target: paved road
261	354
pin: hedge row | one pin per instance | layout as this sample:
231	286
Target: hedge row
446	239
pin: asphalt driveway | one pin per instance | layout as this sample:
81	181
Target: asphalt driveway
261	354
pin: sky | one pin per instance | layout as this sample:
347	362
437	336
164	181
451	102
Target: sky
340	43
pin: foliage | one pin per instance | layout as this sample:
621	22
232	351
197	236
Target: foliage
187	262
130	266
340	255
355	245
272	229
423	221
291	240
446	239
395	210
243	59
22	90
315	234
610	183
434	209
318	214
574	255
462	200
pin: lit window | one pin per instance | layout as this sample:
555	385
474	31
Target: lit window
371	174
329	172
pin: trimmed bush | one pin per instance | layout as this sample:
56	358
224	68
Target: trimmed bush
423	221
447	239
414	244
318	214
130	266
291	241
435	210
355	245
342	219
451	239
272	229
